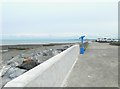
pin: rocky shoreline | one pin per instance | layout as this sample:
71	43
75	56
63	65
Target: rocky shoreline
16	61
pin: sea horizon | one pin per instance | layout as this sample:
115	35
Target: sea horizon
36	41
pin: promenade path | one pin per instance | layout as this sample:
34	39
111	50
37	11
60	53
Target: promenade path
98	67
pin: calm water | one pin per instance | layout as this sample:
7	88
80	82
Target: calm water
37	41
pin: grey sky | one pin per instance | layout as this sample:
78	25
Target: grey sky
60	19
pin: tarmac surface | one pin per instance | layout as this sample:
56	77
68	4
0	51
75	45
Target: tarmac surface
98	67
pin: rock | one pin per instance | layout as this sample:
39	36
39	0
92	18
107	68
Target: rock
45	54
60	50
66	47
16	73
40	61
10	74
26	59
38	54
26	55
50	52
1	83
51	49
24	62
11	70
15	61
28	65
4	70
4	81
55	52
13	64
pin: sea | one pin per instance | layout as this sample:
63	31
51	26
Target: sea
36	41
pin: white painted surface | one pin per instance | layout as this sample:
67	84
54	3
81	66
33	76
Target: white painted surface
51	73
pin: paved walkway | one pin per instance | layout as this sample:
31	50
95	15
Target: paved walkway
98	67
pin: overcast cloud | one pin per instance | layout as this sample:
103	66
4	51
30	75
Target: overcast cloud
60	19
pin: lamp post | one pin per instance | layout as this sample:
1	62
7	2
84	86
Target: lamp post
82	45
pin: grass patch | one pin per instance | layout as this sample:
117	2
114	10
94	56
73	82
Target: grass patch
19	48
115	43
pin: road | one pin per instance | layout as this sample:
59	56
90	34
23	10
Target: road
98	67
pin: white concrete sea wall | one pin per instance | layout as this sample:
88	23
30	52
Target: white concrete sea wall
51	73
